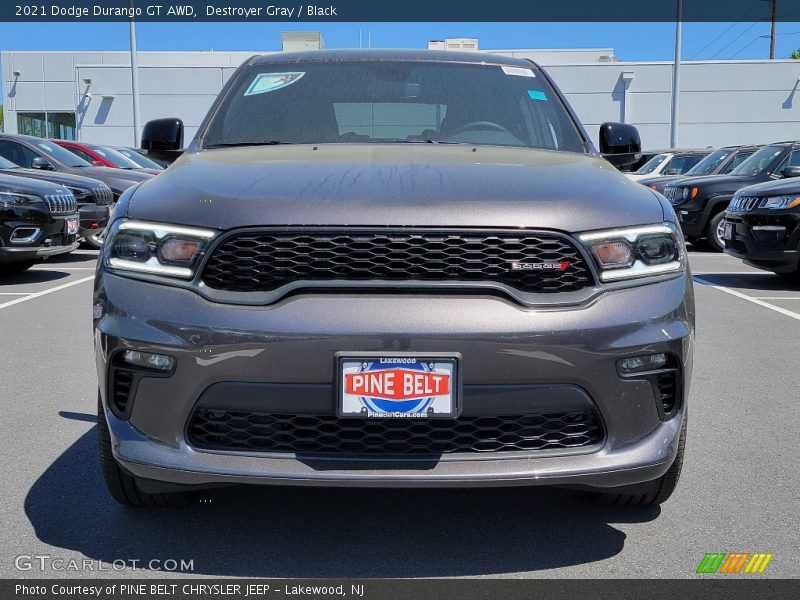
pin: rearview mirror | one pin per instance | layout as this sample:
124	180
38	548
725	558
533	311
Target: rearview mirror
791	172
41	163
163	139
620	143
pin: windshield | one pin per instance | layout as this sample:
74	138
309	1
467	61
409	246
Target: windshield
760	161
140	160
7	164
710	163
114	157
652	164
65	157
391	102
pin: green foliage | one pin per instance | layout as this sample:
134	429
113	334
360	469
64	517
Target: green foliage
796	54
1	119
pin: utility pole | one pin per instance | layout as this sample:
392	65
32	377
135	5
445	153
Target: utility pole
134	78
774	4
676	80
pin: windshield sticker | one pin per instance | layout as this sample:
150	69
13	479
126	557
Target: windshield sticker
537	95
518	71
269	82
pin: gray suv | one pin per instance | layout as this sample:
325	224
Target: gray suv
392	268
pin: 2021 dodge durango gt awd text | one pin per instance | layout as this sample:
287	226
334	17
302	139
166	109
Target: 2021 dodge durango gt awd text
378	268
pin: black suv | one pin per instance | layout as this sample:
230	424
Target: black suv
701	201
94	198
720	162
762	227
37	220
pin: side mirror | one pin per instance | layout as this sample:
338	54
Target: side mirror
41	163
97	163
163	139
620	144
791	172
671	172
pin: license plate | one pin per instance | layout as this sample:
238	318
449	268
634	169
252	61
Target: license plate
728	231
393	386
71	226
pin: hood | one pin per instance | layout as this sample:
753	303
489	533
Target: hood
60	178
661	180
719	182
118	180
774	188
401	185
24	185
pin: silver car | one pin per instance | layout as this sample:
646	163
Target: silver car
392	268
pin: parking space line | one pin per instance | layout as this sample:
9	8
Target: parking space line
45	292
60	268
752	299
777	297
15	293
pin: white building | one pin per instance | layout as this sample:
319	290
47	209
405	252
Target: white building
87	95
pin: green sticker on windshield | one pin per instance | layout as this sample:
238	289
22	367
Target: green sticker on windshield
269	82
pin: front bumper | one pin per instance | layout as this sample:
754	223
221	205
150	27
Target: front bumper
93	219
293	343
768	240
50	239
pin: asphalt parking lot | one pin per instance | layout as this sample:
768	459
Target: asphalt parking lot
739	489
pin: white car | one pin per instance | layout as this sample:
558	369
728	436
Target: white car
669	163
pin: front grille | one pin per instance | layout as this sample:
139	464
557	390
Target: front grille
248	262
60	239
672	193
103	196
261	432
61	204
745	203
121	389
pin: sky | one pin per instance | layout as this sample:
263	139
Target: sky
630	41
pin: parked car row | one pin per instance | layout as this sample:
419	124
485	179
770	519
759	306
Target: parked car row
735	199
46	185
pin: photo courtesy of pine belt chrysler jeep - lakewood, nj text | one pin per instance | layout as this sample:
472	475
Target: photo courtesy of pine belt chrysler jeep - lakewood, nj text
397	269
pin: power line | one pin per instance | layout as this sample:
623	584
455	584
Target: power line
736	39
758	37
734	24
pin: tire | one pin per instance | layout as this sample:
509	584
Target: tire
16	267
122	486
714	232
651	493
791	277
95	241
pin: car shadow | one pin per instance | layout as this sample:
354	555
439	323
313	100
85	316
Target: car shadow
34	276
284	532
754	281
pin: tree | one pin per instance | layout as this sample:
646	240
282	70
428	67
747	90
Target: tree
796	54
1	119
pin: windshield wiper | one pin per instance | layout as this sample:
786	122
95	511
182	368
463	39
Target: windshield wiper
235	144
429	142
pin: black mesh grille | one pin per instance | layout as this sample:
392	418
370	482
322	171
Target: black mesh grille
250	262
60	239
667	389
229	430
123	381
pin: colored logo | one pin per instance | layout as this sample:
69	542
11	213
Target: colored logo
734	563
540	266
410	388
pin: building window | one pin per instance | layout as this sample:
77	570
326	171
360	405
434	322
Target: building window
58	125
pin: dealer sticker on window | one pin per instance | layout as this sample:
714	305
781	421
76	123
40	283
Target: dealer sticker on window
397	387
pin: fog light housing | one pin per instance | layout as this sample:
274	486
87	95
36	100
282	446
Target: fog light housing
640	364
148	360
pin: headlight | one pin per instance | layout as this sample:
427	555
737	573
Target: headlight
636	251
685	194
781	202
13	199
155	248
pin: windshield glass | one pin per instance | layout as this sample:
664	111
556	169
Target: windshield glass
652	164
390	102
140	160
7	164
759	161
65	157
114	157
710	163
